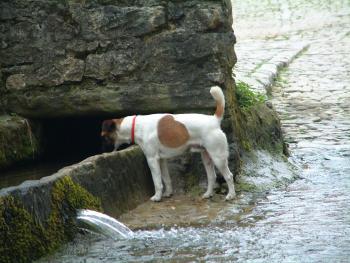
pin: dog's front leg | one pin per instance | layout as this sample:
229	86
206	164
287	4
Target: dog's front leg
166	178
154	166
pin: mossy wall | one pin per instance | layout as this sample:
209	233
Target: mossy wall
258	125
38	216
19	140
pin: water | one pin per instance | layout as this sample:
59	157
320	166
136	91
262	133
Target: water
32	171
103	224
308	221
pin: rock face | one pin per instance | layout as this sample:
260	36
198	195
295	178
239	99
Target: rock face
20	140
101	57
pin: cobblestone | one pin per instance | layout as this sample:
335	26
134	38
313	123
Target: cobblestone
312	97
316	89
260	61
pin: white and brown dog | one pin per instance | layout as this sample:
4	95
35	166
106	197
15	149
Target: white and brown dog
162	136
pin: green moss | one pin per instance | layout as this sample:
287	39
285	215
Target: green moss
24	238
191	181
17	140
263	130
67	197
246	145
246	98
21	239
246	187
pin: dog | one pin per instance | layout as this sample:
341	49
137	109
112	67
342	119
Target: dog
163	136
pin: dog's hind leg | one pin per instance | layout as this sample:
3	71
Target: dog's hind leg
222	166
209	168
154	166
166	178
217	148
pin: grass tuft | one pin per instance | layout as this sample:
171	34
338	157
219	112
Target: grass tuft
246	97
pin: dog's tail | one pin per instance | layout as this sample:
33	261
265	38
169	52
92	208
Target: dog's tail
219	97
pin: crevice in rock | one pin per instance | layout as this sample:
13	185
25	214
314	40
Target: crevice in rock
71	138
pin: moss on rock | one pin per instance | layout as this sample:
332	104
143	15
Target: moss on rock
25	238
260	125
21	236
263	129
18	140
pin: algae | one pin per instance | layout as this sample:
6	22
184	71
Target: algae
23	238
18	142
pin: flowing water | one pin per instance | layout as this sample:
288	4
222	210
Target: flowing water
103	224
309	220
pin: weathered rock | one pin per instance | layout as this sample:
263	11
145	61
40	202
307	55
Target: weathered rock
263	129
16	81
68	58
20	140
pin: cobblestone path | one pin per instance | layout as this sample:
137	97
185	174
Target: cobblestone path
310	220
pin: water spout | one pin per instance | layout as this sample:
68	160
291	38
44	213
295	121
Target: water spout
103	224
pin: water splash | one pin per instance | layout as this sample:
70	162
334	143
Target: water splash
104	224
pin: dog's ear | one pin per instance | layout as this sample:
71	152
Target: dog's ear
108	126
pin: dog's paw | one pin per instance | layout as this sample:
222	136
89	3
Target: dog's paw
207	195
230	196
156	198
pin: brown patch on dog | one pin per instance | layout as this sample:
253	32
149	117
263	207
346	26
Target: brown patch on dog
110	126
118	122
219	112
172	133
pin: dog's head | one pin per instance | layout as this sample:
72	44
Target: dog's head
109	134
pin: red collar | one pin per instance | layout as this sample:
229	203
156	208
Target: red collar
133	130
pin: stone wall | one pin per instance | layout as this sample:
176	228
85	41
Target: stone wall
38	216
121	180
100	57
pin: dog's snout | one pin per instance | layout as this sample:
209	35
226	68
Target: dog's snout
107	144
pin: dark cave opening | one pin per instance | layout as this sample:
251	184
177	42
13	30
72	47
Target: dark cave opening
71	138
64	141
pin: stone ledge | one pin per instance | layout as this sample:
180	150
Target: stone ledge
37	216
106	176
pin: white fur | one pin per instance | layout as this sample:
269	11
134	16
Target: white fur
205	135
218	95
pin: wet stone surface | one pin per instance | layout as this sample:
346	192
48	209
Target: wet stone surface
307	221
260	71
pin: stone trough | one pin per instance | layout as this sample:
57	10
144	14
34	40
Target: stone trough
112	182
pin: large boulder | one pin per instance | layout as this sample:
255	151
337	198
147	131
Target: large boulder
99	57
